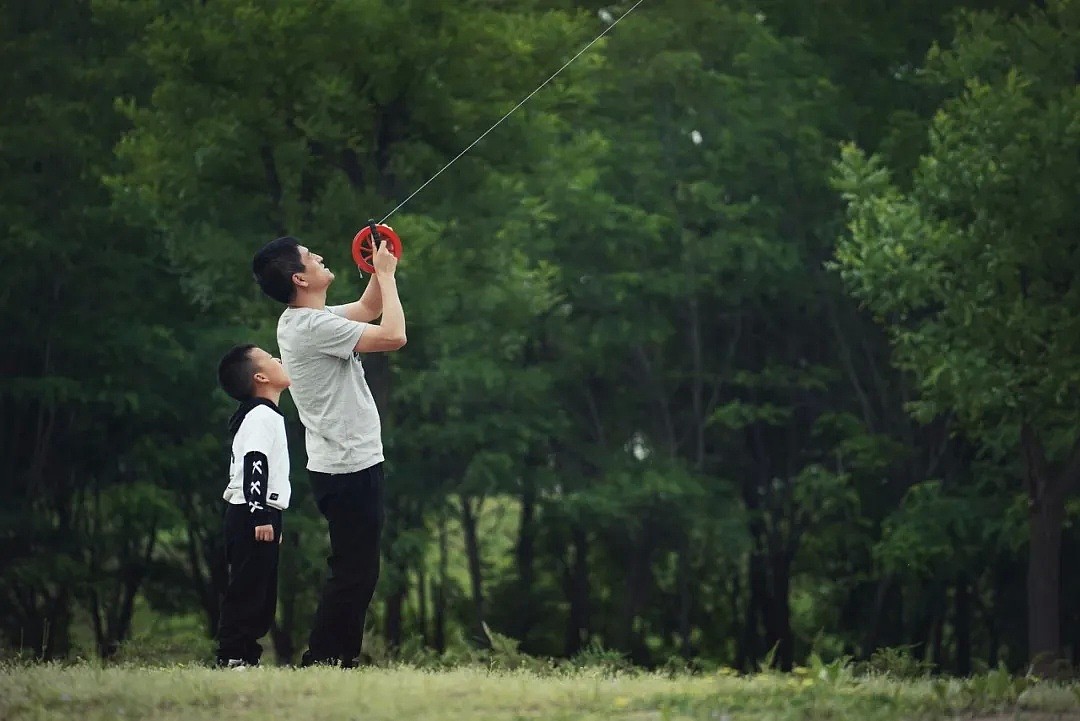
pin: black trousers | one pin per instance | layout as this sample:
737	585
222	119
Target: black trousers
352	504
250	601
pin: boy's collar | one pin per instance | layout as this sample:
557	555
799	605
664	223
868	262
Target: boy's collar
246	407
259	401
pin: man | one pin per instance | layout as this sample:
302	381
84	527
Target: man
320	348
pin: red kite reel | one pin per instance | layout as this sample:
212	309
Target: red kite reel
363	245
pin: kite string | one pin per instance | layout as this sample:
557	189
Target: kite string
512	110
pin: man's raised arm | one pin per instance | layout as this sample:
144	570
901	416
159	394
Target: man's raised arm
390	334
369	306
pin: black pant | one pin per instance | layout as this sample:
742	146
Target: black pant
353	506
250	601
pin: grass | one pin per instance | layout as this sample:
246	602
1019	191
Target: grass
87	693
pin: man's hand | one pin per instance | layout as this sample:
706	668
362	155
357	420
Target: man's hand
264	533
384	261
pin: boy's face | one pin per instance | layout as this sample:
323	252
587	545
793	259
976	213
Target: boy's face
316	276
268	369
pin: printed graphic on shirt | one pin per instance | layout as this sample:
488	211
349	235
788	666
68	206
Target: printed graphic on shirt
255	483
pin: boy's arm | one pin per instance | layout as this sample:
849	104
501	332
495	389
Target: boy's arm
256	480
257	439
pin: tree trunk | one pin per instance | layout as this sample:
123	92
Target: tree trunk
962	626
922	632
1044	584
886	628
635	596
526	563
736	607
439	631
283	630
937	633
53	641
1047	492
998	583
577	592
422	604
395	603
112	619
472	551
134	578
685	601
750	645
778	610
206	559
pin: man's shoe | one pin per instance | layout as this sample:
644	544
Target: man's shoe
308	660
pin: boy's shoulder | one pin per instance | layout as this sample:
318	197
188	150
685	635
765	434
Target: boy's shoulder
265	413
258	416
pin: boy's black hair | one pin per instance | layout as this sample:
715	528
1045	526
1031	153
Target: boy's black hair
274	265
235	372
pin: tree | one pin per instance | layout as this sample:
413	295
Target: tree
272	118
86	341
973	269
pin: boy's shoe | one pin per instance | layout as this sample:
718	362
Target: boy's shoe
235	664
307	660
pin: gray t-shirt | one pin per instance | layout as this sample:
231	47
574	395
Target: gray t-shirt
343	430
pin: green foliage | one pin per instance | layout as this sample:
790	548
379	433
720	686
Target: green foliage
898	663
972	272
969	268
606	660
935	530
683	445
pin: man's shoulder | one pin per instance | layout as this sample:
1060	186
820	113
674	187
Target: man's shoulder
291	315
298	319
293	321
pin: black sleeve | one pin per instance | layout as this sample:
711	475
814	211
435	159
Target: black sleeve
256	479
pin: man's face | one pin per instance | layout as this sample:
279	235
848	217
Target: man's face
268	369
316	275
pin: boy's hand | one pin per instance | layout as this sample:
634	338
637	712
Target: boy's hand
384	261
264	533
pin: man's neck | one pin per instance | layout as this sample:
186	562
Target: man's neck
309	300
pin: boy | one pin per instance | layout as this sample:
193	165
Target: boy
321	347
257	493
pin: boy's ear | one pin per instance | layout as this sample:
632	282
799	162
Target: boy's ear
261	378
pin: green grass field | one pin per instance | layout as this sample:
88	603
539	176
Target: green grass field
87	693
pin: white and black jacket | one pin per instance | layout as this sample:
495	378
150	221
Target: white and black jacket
259	466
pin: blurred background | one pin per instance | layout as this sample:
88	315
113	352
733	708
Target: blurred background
754	337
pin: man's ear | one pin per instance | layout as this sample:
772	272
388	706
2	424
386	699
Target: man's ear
299	280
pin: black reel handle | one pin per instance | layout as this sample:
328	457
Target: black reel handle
374	237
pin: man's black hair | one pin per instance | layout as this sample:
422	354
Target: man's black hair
274	265
235	372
